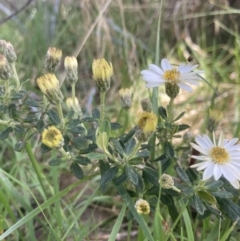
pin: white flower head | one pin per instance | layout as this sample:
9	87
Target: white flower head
183	75
220	158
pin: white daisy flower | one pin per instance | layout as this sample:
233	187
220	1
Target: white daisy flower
181	75
220	158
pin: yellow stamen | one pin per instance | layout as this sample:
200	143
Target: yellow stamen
172	76
219	155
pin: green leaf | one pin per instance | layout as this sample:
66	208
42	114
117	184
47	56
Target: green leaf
179	116
142	154
140	184
213	210
162	112
150	175
128	200
3	109
182	127
4	134
53	116
115	126
182	175
153	191
45	148
19	130
167	200
130	145
102	141
76	170
73	123
88	119
213	185
118	146
130	134
230	208
169	150
31	102
198	204
40	125
105	127
16	96
122	178
30	118
19	146
82	160
12	111
80	143
96	156
96	113
108	175
207	197
76	130
222	194
55	161
192	174
132	174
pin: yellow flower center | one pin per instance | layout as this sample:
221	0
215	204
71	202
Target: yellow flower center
52	135
219	155
172	76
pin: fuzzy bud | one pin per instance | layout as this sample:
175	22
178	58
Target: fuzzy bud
102	72
142	206
53	59
10	53
5	69
74	105
167	182
71	66
126	98
146	105
172	90
215	116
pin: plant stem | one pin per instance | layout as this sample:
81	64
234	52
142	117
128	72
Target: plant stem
15	75
102	107
59	109
74	94
171	110
35	166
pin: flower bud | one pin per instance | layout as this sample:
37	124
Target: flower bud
172	90
126	98
49	85
74	105
10	53
142	206
102	72
71	66
3	47
215	116
52	137
146	105
53	59
167	182
5	69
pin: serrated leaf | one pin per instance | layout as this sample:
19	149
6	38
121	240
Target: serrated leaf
118	146
19	146
230	208
4	134
198	204
150	175
31	102
130	145
179	116
169	151
115	126
207	197
162	112
182	175
76	170
53	116
76	130
82	160
96	156
45	148
55	161
108	175
96	113
40	125
132	174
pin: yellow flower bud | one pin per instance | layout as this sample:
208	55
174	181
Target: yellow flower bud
71	66
53	59
142	206
74	105
146	105
49	85
5	69
102	72
52	137
147	122
126	98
